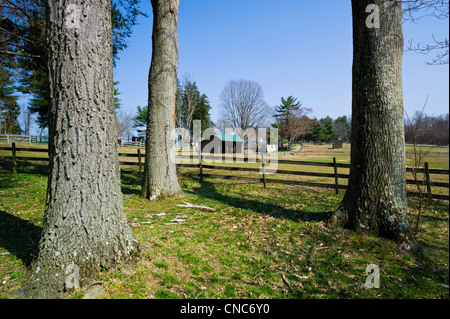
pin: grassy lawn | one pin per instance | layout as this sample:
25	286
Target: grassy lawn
259	243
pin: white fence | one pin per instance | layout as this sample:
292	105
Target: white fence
9	138
133	144
39	139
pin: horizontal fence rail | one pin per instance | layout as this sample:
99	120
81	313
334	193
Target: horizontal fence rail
10	138
195	163
139	143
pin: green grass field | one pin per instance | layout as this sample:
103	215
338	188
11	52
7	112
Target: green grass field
259	243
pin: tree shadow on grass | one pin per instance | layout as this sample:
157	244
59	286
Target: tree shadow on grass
130	180
131	183
32	168
19	237
208	190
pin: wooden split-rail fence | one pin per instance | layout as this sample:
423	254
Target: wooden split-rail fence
198	162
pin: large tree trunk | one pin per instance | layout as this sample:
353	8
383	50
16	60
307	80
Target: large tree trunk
84	223
160	176
376	197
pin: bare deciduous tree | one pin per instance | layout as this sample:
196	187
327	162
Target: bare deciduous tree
243	105
25	119
425	129
419	153
414	10
125	124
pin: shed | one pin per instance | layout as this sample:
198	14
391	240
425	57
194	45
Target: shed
337	144
223	144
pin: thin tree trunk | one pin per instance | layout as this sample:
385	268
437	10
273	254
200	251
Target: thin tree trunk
84	223
375	201
160	176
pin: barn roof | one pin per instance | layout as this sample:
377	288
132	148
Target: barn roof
228	138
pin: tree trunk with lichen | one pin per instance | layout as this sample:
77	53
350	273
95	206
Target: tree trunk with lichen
160	175
84	222
375	201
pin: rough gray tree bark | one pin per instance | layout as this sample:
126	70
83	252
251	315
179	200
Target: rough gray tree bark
84	223
376	200
160	176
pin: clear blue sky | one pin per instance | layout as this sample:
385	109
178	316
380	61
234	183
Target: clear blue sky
290	47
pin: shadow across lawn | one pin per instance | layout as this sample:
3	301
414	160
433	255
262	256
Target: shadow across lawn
208	190
32	168
131	182
19	237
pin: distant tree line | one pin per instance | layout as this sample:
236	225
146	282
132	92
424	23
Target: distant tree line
294	125
427	129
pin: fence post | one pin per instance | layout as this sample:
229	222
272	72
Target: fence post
140	161
263	169
14	162
200	163
427	176
336	179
